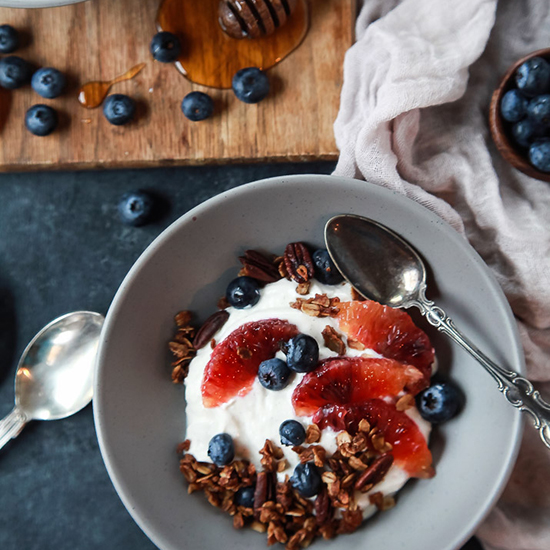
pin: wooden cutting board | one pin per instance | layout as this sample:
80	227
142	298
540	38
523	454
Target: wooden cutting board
99	39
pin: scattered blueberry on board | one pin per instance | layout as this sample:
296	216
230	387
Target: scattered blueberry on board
325	270
302	353
41	120
119	109
245	497
14	72
274	374
221	450
48	82
527	109
243	292
9	39
165	47
136	208
440	402
250	85
292	433
197	106
306	479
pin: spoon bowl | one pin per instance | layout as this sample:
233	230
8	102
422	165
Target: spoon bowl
384	267
54	378
375	260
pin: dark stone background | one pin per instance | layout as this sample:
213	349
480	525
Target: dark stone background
62	249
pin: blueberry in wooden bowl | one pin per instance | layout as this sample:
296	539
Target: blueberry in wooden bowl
519	115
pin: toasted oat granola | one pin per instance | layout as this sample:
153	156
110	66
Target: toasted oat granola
279	509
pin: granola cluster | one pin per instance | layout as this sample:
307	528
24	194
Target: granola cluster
359	463
182	347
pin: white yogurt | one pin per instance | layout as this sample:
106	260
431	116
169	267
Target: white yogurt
255	417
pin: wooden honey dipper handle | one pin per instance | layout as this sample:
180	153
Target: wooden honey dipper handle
253	18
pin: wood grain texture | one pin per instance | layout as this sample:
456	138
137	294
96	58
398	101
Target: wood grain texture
100	39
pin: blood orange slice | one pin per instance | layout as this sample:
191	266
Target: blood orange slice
410	449
234	363
391	333
352	380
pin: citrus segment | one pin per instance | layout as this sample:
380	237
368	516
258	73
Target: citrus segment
234	362
391	333
352	380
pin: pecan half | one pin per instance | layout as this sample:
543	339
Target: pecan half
374	473
257	266
298	262
323	508
260	493
209	328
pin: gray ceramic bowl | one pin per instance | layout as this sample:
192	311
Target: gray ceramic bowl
139	413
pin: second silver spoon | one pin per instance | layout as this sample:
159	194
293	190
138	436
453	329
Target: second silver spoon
54	378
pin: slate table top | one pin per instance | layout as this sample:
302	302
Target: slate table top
62	248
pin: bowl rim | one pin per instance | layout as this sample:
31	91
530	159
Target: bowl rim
513	445
506	148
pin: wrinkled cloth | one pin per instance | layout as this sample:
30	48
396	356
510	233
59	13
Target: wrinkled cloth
414	117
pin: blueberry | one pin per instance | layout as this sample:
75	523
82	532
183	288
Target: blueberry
325	270
533	76
302	353
14	72
221	450
48	82
292	433
513	106
9	39
440	402
243	292
306	479
41	120
197	106
250	85
245	497
136	208
539	155
119	109
538	109
526	132
274	374
165	47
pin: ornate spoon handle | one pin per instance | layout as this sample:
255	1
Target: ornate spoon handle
519	391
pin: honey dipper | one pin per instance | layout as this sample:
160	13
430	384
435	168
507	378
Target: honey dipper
253	18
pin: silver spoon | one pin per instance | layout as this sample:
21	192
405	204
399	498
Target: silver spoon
383	267
54	378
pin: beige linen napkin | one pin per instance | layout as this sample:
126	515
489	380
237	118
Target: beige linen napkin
413	117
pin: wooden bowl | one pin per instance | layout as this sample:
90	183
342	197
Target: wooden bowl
500	129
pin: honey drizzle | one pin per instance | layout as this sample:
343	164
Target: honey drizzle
92	94
210	57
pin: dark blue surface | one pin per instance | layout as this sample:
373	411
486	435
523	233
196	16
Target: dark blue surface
63	248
